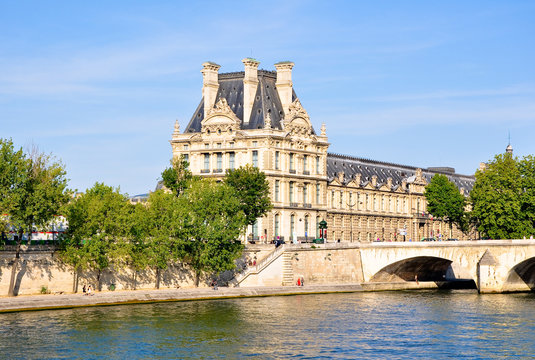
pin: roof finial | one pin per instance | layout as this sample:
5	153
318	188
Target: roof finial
323	130
509	148
177	129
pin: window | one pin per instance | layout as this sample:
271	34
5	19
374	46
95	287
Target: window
219	145
292	162
231	145
292	226
231	160
219	161
186	157
305	164
277	159
305	193
317	164
291	191
255	158
277	224
332	199
206	146
277	190
318	193
186	147
341	199
255	230
206	161
351	201
306	225
255	143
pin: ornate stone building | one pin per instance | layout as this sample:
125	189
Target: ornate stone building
255	117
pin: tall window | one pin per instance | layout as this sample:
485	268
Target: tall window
306	225
231	160
305	163
305	193
318	219
255	158
255	230
351	200
206	161
317	193
317	164
292	226
186	157
291	162
341	199
277	189
277	224
332	199
291	190
219	161
277	160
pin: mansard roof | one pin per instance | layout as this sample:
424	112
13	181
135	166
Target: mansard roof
231	88
352	166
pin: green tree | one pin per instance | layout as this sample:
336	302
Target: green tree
252	189
211	221
503	197
33	188
177	177
98	228
445	201
162	231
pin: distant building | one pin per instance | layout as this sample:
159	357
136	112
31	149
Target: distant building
255	117
51	232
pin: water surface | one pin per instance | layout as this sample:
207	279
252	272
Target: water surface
381	325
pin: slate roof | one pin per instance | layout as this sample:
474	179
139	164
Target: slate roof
351	166
231	88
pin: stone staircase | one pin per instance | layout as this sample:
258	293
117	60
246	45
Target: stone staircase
261	265
287	272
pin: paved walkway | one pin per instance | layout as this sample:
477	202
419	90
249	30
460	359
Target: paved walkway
65	301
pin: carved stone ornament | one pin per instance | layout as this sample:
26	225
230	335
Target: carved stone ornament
323	130
177	129
267	121
296	110
221	107
419	178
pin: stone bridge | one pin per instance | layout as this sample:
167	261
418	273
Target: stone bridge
490	265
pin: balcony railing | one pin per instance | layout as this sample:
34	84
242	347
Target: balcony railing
306	205
205	171
293	204
217	170
292	171
306	172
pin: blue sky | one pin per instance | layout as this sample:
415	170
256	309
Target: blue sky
100	84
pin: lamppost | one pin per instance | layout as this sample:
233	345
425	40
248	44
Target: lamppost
323	230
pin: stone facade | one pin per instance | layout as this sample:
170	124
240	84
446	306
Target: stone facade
255	117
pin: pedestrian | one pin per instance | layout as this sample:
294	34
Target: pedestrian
89	290
298	281
84	289
302	281
254	262
416	279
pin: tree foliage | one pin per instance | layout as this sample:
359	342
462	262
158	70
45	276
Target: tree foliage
211	221
99	223
177	177
252	189
33	188
503	197
445	201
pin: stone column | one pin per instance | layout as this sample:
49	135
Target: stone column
210	85
284	83
250	84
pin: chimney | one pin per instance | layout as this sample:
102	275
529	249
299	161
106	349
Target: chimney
250	83
210	85
284	83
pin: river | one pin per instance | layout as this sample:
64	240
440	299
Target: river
376	325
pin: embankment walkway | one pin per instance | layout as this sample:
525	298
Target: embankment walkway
66	301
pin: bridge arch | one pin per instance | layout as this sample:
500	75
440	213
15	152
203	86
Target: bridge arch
521	277
422	268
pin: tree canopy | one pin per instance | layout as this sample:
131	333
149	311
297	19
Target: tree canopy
252	189
445	201
503	197
33	188
177	177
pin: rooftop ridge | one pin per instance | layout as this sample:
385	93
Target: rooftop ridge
241	74
349	157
